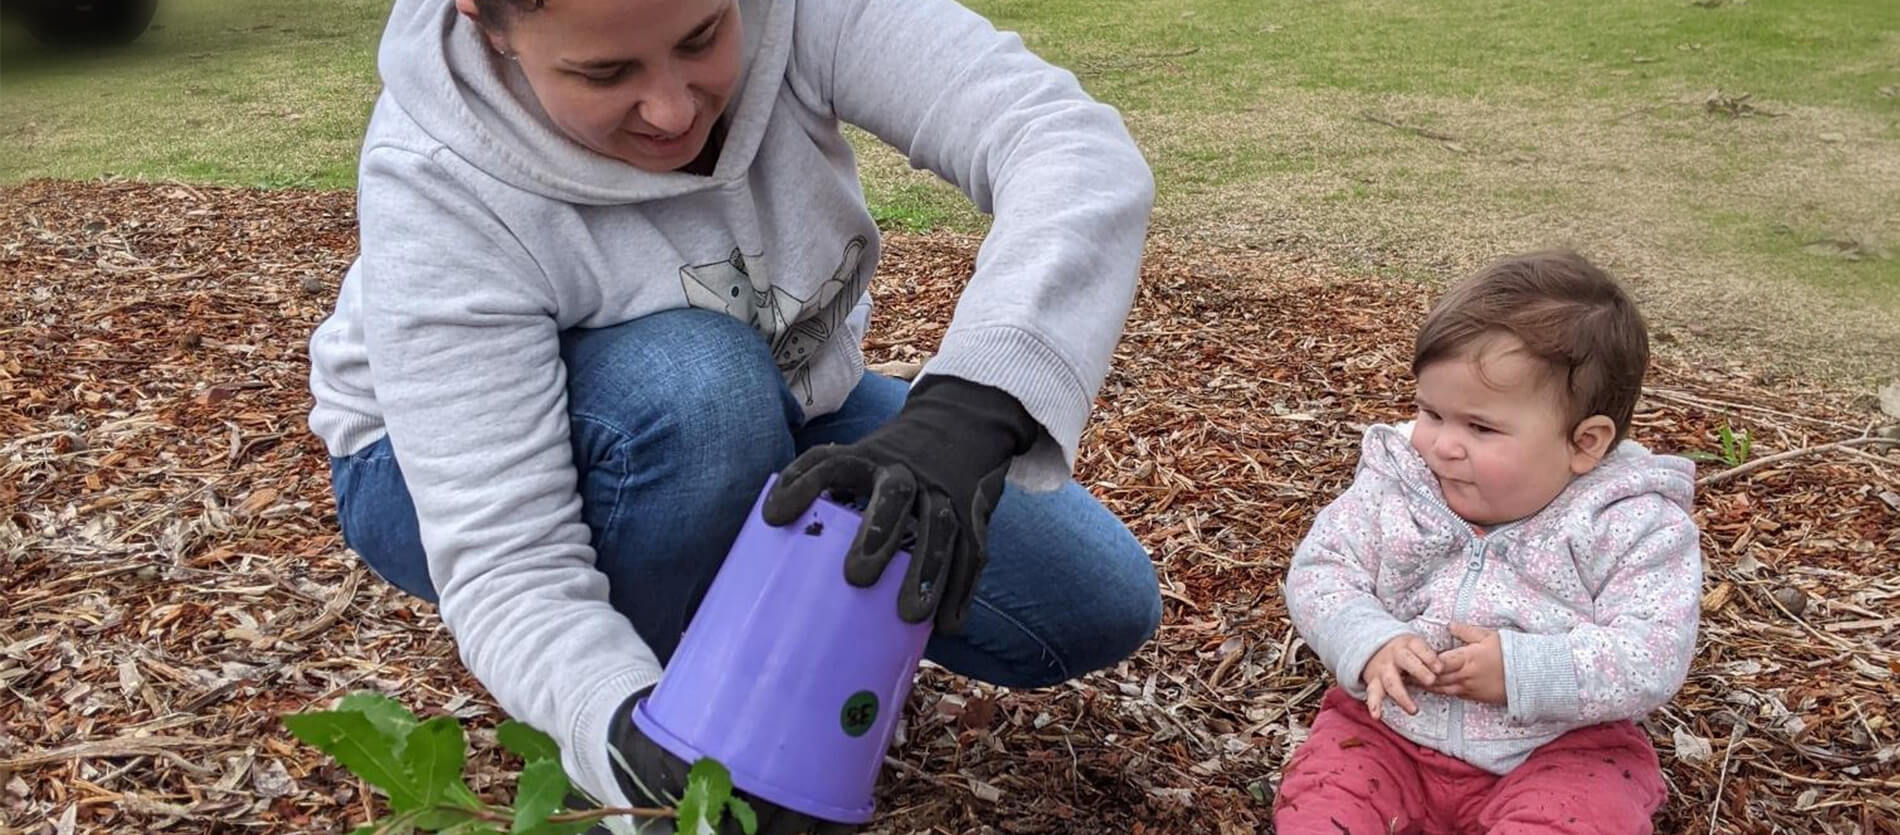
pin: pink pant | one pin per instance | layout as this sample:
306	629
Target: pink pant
1355	776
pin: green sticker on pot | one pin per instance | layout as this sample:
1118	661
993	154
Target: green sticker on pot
859	713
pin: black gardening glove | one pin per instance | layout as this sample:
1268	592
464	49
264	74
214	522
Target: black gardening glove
662	781
932	474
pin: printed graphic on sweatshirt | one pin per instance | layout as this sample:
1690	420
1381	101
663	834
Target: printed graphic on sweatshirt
797	328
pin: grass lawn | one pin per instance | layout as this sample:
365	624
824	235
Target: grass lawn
1739	160
263	93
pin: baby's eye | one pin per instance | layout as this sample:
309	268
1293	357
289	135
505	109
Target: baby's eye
1429	414
1482	429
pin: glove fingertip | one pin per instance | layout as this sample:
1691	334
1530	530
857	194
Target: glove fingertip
862	571
805	479
914	607
786	502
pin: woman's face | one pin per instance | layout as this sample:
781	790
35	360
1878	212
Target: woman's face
641	81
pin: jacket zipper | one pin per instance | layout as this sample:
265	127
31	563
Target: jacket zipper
1474	566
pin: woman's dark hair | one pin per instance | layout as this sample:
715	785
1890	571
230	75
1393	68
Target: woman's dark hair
499	13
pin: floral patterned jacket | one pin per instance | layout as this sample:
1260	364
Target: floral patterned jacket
1596	597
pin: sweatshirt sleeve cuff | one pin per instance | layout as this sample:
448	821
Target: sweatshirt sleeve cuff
1017	362
584	750
1540	681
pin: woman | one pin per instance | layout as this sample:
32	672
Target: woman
614	274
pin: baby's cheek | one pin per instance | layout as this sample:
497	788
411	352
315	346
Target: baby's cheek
1505	478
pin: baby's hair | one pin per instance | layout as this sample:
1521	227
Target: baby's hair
1566	312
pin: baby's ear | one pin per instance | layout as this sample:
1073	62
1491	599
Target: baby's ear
1589	442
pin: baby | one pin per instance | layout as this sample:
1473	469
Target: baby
1509	571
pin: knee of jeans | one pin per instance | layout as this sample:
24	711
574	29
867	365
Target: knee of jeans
411	577
1125	612
378	520
697	393
1114	616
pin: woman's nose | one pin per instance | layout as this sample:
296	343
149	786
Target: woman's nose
668	107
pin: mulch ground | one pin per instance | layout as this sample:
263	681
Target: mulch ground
174	579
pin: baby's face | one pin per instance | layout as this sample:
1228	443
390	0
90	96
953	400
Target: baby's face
1491	426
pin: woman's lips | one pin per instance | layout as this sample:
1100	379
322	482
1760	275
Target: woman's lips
665	146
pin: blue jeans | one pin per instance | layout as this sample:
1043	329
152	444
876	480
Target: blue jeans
677	420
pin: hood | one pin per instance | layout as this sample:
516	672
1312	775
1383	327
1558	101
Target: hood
437	68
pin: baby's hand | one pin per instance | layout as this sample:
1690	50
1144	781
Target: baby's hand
1383	676
1474	671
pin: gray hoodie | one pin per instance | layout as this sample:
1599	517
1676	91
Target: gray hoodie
484	233
1595	597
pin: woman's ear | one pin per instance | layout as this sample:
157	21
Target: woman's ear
1590	442
474	13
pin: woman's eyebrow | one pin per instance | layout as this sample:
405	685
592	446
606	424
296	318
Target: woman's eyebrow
703	26
598	63
610	63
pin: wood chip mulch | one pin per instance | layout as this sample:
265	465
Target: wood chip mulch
174	580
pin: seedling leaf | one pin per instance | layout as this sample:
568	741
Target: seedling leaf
391	719
539	792
526	742
742	812
434	753
354	741
708	787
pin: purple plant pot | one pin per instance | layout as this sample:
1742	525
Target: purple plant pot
790	676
